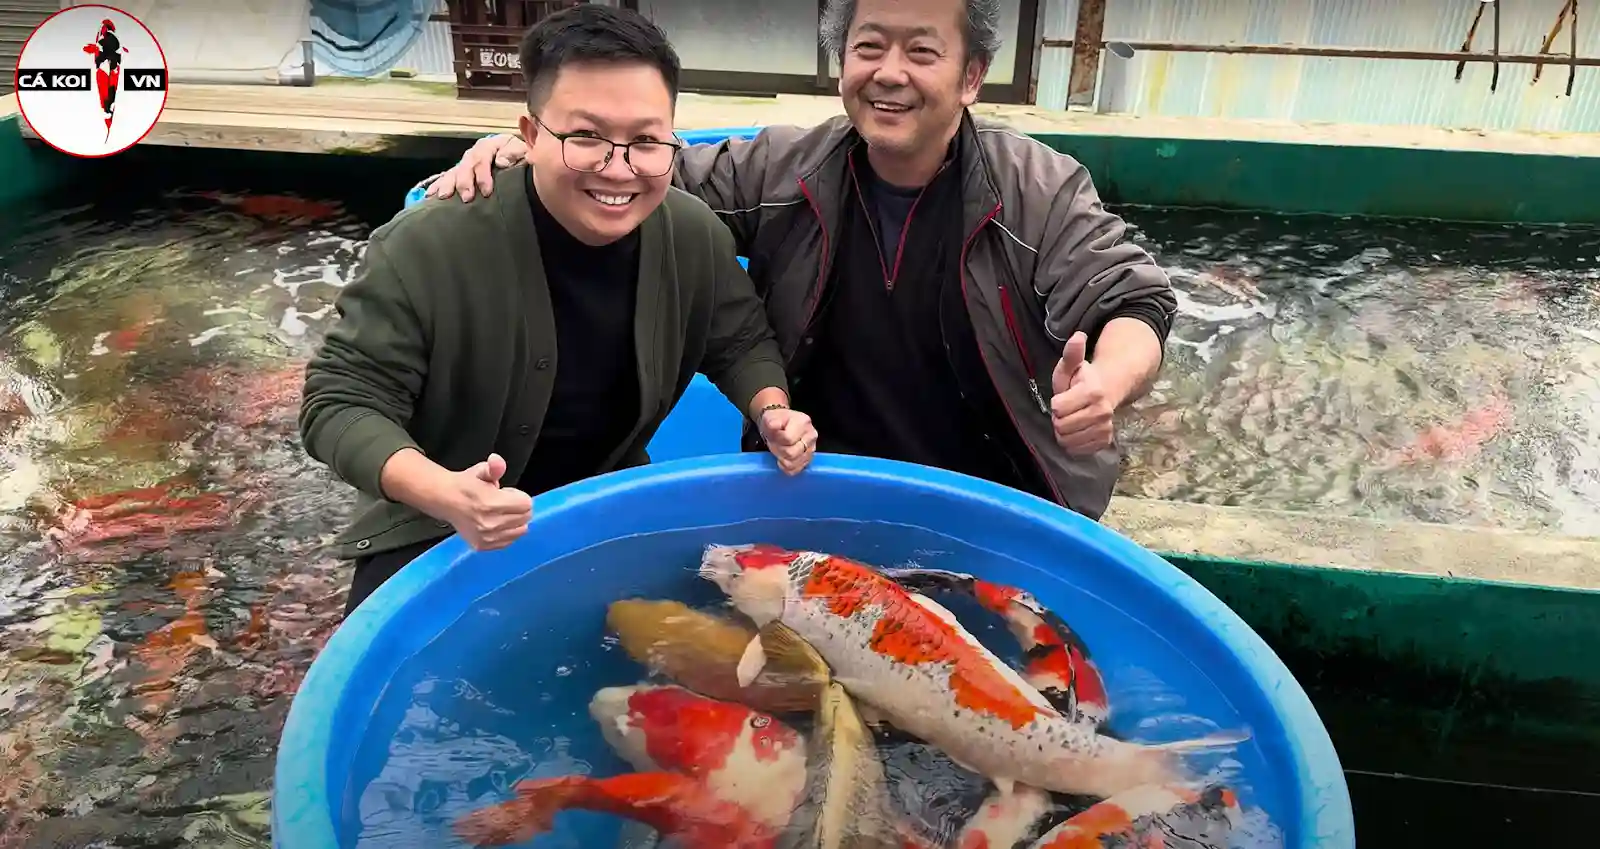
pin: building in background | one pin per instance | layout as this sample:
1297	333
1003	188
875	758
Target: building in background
1174	70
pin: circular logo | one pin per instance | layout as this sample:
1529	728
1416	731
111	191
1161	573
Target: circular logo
91	81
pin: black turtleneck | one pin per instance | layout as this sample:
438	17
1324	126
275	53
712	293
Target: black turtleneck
596	398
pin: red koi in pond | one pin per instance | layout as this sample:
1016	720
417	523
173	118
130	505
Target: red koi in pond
908	657
1153	817
146	517
742	755
1056	662
1462	439
279	208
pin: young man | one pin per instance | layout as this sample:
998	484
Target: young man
945	292
488	353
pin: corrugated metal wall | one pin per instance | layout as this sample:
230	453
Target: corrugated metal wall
17	20
1375	91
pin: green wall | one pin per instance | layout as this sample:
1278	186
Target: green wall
1267	176
1465	713
26	168
1451	185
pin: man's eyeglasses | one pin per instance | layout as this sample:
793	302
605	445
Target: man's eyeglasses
590	154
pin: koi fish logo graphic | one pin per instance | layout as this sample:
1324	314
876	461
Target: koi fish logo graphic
107	51
91	81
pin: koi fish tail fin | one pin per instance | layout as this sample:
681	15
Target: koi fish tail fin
1136	764
1201	745
1120	766
522	818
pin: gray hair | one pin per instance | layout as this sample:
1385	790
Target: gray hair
981	28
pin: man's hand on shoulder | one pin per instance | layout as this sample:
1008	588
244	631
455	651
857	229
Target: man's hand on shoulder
474	174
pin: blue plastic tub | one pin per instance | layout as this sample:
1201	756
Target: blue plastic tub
431	647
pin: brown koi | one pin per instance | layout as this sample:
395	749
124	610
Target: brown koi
701	651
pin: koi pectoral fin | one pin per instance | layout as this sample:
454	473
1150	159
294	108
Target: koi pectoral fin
751	662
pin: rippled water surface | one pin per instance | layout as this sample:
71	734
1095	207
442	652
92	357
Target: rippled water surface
163	583
1400	370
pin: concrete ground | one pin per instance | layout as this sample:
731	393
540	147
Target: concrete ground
354	115
1237	533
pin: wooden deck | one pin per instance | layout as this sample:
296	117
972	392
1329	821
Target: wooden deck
425	119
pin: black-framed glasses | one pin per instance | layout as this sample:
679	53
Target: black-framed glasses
590	154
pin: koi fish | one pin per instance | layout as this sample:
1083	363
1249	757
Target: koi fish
1463	439
701	651
1153	817
907	656
712	774
277	208
678	807
1005	820
741	755
1057	662
848	800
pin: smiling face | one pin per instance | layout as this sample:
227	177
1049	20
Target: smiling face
905	77
617	101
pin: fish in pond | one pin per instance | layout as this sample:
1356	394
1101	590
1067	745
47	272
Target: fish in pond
711	774
701	651
847	800
1056	661
909	658
1154	817
742	755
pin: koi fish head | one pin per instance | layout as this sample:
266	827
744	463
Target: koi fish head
670	728
757	578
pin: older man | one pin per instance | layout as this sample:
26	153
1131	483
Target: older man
945	291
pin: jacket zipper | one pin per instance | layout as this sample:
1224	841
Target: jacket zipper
822	273
890	275
1022	351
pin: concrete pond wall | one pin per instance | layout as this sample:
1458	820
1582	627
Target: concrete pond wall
1456	668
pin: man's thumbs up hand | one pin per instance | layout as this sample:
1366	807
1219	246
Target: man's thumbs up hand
1080	411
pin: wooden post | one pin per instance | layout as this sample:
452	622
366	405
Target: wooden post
1086	46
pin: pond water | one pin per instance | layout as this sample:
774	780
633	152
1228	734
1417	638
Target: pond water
163	577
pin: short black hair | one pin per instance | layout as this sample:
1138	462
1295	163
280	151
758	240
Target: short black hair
590	32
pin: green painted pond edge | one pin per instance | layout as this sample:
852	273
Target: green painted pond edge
1268	176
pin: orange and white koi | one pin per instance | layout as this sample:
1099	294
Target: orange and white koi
742	755
1153	817
907	656
1007	819
1056	661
